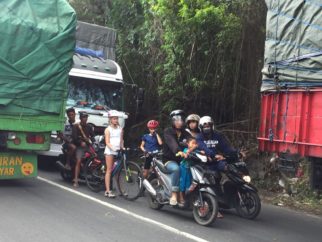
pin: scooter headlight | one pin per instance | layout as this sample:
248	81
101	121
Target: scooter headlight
247	179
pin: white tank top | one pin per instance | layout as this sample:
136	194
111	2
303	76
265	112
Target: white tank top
115	137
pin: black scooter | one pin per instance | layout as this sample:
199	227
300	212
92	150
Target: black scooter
201	199
234	189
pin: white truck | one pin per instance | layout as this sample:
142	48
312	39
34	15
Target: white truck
95	83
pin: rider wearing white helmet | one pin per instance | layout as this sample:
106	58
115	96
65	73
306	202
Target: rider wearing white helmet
213	143
114	142
192	122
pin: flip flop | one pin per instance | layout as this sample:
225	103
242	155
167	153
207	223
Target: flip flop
173	202
219	215
181	204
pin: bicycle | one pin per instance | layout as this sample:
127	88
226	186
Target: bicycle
128	176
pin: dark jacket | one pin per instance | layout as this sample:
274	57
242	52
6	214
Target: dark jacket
214	145
171	144
78	136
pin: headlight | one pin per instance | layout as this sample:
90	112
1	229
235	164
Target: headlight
247	179
12	136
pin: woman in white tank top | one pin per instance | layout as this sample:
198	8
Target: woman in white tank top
114	142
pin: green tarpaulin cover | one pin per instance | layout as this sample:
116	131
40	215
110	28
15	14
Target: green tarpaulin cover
37	41
293	47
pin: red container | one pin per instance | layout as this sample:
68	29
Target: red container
291	121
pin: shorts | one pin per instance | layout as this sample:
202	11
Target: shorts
80	152
147	163
108	151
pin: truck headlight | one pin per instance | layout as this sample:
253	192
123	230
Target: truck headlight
12	136
247	179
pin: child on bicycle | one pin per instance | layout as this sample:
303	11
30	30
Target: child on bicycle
114	142
150	142
185	173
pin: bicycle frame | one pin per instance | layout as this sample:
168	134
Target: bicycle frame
122	161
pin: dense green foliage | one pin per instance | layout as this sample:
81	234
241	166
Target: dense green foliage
203	56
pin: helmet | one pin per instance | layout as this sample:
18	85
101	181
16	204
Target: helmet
176	114
113	113
192	117
204	120
153	124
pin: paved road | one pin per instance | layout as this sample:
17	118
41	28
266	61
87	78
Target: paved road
35	210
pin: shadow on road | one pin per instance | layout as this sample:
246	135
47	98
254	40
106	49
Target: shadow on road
47	163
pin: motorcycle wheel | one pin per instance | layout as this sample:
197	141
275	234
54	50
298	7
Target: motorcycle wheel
205	215
129	182
250	206
94	176
66	175
152	201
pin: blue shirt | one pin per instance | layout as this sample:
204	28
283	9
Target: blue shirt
150	142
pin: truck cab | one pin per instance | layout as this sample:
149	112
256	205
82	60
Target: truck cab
96	86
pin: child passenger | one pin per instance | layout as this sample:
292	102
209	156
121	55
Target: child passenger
185	173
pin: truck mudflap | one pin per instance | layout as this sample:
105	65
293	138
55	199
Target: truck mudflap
15	165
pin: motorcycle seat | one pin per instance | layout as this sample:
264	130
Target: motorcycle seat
162	167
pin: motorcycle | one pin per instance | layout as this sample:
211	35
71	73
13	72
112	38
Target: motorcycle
201	199
95	153
234	189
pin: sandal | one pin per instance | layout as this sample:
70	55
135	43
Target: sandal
109	194
173	202
75	184
181	204
219	215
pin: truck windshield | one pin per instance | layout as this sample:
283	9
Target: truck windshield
94	94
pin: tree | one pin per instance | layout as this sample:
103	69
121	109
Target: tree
203	56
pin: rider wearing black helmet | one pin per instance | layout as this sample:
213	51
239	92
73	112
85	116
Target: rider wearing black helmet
174	136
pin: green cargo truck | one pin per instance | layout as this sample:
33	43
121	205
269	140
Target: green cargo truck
37	41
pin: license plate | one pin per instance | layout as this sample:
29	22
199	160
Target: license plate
15	165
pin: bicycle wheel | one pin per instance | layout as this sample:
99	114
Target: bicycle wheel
129	181
94	175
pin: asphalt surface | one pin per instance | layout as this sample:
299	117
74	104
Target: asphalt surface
35	210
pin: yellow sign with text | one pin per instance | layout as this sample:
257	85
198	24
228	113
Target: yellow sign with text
17	165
